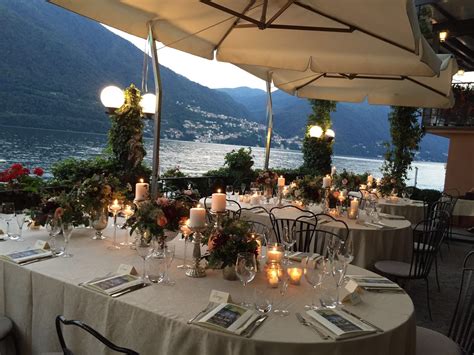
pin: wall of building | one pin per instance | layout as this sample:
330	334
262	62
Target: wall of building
460	165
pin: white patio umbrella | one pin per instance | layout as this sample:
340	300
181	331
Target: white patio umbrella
337	36
395	90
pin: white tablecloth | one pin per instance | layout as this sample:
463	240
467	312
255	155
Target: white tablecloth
370	244
411	210
153	320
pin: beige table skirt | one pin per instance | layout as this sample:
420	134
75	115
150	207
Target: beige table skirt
153	320
414	212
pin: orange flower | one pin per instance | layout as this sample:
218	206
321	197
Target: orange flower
162	220
58	213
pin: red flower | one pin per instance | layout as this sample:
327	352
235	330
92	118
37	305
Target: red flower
16	167
38	171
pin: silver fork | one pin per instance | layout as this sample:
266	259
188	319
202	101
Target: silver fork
209	306
303	321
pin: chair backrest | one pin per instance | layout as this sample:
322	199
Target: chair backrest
290	211
428	235
260	228
302	227
235	211
462	329
90	330
322	237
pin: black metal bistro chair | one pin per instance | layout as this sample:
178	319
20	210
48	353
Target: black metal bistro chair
291	218
428	243
322	236
61	320
460	339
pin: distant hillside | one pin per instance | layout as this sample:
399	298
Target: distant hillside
54	64
360	129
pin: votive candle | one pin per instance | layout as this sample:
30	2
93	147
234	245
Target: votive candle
281	181
295	274
274	254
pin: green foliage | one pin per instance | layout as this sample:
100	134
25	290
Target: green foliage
406	133
173	172
306	189
237	167
349	180
72	171
317	152
226	243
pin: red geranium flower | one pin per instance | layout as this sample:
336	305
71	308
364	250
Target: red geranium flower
38	171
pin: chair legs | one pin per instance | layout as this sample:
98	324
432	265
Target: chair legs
436	272
428	297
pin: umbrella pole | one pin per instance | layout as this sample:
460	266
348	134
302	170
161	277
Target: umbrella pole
268	140
157	129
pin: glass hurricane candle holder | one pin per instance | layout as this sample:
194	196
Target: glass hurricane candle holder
275	253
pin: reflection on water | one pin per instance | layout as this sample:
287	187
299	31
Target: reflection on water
34	147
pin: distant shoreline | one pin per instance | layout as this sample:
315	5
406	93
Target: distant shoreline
371	158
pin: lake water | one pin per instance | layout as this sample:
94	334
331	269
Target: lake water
35	147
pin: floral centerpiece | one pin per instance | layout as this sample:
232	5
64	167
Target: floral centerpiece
153	217
268	179
306	190
349	181
225	243
18	177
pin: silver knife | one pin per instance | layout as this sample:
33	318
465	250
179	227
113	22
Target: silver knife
129	289
303	321
379	330
36	260
249	332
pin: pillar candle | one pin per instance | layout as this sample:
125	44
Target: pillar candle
197	216
326	182
370	179
218	201
141	190
355	205
333	171
281	181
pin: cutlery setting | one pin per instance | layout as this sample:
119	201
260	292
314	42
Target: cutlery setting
129	289
306	323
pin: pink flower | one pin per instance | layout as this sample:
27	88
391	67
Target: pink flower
344	181
38	171
162	201
58	213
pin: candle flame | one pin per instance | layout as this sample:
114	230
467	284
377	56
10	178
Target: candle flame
198	205
115	202
218	191
141	180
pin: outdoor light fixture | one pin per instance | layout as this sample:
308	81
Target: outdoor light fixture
442	36
330	135
460	72
148	104
315	132
112	98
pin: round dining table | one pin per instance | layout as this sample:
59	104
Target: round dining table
412	210
153	320
391	241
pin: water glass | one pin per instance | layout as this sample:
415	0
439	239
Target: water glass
168	254
229	189
289	240
20	221
328	291
338	272
246	269
283	281
263	300
314	273
53	227
67	229
144	248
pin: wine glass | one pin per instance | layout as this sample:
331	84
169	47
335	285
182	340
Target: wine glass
169	253
229	189
333	246
338	272
263	300
144	249
53	228
314	273
283	282
67	229
246	269
20	221
289	240
8	212
242	188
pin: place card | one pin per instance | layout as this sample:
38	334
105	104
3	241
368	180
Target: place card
219	297
353	298
127	269
41	244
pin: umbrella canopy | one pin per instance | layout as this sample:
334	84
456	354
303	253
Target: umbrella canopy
377	89
338	36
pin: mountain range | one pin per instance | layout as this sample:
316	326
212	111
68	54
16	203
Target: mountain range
54	64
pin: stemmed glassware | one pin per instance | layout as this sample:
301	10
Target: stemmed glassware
67	229
263	300
115	208
338	272
53	227
283	282
289	240
314	274
229	189
20	221
8	212
333	247
127	212
246	269
169	253
144	249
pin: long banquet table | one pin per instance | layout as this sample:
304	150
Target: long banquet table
153	320
371	244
